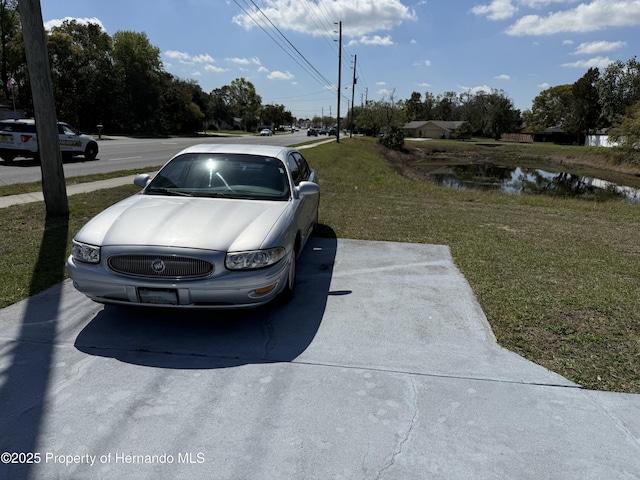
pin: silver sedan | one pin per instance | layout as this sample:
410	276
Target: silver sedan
219	226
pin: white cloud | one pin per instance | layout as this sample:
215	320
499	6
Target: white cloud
496	10
82	21
206	58
187	58
214	69
375	40
593	48
424	85
586	17
275	75
244	61
542	3
544	86
503	77
599	62
422	63
359	17
182	57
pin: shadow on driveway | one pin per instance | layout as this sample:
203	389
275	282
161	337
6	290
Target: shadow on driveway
25	381
176	339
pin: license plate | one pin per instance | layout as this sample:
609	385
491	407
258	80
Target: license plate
158	296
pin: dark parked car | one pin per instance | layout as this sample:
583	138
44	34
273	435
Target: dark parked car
312	132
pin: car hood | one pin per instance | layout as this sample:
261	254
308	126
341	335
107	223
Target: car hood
203	223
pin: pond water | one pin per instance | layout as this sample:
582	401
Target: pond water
516	180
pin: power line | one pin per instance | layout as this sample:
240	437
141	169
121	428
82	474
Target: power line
292	52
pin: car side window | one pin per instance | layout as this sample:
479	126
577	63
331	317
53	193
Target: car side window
295	169
305	170
64	130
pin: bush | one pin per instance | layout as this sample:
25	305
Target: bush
393	139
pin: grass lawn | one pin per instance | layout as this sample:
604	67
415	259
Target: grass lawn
557	278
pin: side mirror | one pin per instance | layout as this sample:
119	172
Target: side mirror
142	180
307	188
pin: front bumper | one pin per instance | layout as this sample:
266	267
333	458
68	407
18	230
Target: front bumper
224	290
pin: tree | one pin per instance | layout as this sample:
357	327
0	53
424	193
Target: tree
178	111
626	130
553	107
82	73
618	88
586	102
384	117
245	102
501	115
137	81
220	111
9	28
446	107
413	108
428	106
275	115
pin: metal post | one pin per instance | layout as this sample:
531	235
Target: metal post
339	80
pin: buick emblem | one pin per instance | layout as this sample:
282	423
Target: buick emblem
157	266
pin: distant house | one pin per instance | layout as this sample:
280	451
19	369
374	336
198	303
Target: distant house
556	135
599	139
430	129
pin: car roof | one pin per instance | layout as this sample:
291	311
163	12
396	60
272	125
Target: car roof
26	121
29	121
266	150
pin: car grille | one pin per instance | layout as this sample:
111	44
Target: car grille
160	266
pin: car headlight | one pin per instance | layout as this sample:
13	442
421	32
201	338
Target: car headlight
85	252
253	259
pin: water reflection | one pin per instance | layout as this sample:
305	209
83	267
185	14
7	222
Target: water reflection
517	180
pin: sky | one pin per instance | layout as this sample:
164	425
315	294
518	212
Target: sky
290	49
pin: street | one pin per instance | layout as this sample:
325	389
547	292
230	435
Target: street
125	153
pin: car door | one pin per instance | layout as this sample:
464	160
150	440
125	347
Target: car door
300	172
69	139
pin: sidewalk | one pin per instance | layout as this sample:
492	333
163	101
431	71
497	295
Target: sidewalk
10	200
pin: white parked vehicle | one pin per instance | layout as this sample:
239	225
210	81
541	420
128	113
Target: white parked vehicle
18	139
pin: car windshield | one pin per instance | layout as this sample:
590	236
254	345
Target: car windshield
222	175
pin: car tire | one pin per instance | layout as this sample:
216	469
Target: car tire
91	152
290	288
8	158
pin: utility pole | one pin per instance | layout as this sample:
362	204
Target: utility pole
353	92
339	81
53	183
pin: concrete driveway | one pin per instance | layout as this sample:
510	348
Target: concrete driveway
382	367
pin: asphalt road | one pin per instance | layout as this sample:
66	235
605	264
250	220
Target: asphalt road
123	153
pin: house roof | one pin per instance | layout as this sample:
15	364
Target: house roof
415	124
444	125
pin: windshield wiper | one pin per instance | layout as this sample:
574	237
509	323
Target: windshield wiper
168	191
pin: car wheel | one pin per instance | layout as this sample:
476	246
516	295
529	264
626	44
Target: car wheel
8	158
91	152
290	288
